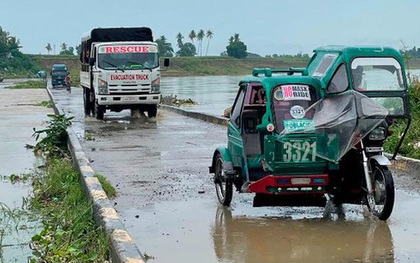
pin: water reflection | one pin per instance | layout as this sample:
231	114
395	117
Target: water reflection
271	239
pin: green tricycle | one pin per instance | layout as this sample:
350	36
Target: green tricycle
302	136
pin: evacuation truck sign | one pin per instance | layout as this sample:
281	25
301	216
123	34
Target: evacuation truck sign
129	77
127	49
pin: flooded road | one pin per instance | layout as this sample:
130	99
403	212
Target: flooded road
18	115
167	201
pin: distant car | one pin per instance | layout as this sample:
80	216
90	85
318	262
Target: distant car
41	74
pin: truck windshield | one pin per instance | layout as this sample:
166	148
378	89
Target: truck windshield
128	61
59	72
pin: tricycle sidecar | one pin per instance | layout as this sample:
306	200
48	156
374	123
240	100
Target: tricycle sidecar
301	135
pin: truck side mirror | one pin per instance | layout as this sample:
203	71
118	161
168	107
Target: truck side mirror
166	62
91	61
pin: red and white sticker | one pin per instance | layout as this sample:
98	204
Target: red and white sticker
296	92
127	49
129	77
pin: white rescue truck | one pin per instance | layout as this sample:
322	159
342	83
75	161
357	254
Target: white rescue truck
120	70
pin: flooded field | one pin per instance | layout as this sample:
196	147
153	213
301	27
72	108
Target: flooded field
18	116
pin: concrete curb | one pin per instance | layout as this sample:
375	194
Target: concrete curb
122	247
197	115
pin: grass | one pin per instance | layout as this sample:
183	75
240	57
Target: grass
30	84
108	188
45	103
70	233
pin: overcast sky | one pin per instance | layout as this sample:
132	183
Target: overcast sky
265	26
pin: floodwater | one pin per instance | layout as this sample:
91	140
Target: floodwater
167	202
213	94
18	116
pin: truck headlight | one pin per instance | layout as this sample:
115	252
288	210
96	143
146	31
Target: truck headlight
156	85
102	87
377	134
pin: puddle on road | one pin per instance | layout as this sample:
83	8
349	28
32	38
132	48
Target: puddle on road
190	233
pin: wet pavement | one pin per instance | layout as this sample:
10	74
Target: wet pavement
168	204
18	116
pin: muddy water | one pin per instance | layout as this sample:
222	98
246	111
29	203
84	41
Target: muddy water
213	94
167	200
18	116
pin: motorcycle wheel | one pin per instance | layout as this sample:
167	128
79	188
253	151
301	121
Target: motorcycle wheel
382	201
224	186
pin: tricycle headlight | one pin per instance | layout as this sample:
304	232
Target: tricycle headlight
377	134
102	87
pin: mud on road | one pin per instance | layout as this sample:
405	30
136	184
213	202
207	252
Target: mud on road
167	200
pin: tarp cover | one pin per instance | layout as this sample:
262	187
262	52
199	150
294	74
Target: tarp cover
121	34
345	119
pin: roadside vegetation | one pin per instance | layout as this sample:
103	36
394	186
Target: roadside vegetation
30	84
69	233
411	145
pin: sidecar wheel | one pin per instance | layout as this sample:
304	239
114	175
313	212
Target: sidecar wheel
382	203
224	186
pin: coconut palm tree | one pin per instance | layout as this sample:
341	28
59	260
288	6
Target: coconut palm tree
209	36
48	48
200	37
179	39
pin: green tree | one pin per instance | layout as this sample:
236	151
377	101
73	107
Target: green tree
78	49
8	44
48	48
236	47
209	35
165	48
63	47
192	36
186	50
200	36
179	39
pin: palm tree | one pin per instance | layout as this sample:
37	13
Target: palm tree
200	37
63	46
165	48
48	48
209	36
192	36
179	38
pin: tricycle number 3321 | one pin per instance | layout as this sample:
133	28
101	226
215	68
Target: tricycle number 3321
299	151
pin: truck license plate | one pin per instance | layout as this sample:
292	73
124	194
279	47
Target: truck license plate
129	98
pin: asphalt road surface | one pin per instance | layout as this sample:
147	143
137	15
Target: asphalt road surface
168	204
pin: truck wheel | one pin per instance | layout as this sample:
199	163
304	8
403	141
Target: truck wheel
99	111
86	101
152	111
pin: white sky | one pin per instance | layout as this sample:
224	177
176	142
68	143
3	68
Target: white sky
265	26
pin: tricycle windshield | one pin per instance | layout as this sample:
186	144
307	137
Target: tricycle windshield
321	63
377	74
289	103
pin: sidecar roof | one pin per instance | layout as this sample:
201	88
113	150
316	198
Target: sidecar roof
271	78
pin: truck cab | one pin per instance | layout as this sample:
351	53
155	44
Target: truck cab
58	74
120	70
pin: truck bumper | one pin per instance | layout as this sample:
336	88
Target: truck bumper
128	99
